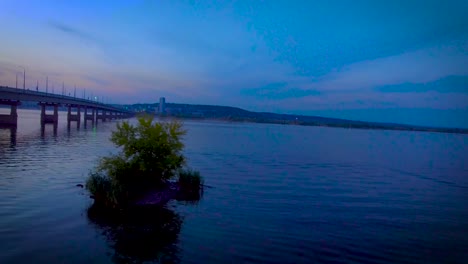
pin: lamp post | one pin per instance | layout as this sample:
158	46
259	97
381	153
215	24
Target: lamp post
24	77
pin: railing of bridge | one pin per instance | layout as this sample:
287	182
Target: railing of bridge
78	100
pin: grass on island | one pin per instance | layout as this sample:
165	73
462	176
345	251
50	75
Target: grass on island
150	156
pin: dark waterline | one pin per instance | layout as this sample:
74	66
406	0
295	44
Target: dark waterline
281	194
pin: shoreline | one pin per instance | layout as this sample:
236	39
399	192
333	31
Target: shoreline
288	121
409	128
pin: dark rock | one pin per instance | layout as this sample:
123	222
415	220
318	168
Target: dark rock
80	185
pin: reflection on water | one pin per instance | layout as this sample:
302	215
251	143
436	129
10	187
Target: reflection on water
144	234
5	130
43	129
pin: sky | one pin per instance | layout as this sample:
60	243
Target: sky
389	61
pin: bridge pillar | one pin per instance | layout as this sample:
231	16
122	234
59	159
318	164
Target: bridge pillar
101	116
74	117
12	118
89	117
49	119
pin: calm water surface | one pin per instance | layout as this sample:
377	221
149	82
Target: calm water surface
280	194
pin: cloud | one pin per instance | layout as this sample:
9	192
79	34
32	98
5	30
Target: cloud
377	100
316	36
97	81
445	85
278	91
421	66
72	31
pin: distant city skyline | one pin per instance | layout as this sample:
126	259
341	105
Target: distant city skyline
393	61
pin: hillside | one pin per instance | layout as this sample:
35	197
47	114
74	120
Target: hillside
237	114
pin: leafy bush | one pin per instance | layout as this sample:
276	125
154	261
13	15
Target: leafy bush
151	149
100	186
151	154
98	183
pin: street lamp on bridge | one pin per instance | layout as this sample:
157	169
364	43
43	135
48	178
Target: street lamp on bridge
24	77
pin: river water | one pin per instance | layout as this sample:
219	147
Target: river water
278	194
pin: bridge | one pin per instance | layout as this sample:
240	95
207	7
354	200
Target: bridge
93	110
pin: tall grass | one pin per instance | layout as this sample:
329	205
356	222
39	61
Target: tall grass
190	179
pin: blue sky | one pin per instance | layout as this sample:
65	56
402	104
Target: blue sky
391	61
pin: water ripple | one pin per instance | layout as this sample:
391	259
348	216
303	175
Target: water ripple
281	194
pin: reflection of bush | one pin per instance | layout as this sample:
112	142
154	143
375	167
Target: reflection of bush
140	234
190	197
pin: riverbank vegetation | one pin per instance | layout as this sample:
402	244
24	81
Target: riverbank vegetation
150	164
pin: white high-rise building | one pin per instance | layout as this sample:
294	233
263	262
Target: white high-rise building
162	105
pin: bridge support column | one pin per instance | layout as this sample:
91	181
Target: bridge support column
89	117
12	118
74	117
49	119
101	116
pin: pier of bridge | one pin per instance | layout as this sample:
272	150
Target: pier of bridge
102	116
91	117
74	117
47	118
12	118
13	97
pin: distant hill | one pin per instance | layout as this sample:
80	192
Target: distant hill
228	113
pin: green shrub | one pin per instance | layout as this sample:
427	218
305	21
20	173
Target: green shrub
101	187
98	183
151	154
151	149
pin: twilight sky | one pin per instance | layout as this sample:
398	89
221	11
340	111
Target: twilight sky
391	61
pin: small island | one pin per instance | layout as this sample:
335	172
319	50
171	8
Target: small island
149	170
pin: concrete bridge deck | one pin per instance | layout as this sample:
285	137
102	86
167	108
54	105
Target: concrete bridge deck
13	97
